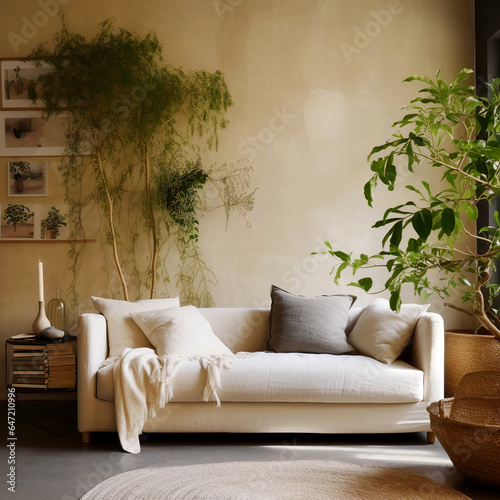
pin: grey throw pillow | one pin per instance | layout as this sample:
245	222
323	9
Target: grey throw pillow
309	324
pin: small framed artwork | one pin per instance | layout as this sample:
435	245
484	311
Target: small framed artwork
19	83
26	133
54	225
27	178
20	221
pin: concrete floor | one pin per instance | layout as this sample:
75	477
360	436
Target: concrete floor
53	464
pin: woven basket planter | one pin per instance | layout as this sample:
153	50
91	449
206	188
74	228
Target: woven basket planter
465	352
468	427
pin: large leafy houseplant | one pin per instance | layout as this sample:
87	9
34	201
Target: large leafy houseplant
431	242
136	128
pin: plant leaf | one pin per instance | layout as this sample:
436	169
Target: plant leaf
395	300
397	234
368	188
472	212
422	223
341	255
365	283
448	221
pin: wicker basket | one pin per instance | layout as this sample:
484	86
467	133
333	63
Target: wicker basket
468	352
468	427
477	399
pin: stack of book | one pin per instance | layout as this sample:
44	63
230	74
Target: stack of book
36	363
29	366
62	366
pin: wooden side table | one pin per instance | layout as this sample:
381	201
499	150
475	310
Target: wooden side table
38	364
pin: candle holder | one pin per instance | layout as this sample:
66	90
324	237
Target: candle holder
41	321
41	325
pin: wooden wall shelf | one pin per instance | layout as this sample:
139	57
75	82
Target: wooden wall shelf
27	240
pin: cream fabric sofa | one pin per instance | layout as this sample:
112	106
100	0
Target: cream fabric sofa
277	392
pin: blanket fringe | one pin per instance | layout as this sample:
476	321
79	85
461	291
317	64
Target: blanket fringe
212	366
144	384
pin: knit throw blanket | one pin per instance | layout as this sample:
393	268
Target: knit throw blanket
143	385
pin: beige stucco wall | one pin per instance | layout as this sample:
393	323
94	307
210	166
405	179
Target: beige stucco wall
316	84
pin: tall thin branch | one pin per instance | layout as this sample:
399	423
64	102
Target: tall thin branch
111	219
154	232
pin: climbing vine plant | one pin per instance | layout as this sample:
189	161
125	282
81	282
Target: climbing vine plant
137	132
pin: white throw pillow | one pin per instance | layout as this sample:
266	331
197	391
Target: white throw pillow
382	333
122	330
182	330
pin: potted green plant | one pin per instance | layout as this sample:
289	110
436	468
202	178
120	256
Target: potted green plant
431	243
434	244
52	223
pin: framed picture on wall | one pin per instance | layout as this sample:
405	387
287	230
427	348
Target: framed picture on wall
27	178
20	221
54	225
26	133
18	81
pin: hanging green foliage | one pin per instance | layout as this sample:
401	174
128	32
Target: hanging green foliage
137	131
178	195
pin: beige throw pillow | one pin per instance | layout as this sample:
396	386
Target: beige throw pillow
122	330
382	333
182	331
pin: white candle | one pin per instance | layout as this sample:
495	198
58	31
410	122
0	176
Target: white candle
40	281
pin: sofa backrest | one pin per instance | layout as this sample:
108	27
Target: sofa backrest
247	329
241	329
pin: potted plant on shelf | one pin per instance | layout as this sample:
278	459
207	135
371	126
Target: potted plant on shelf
51	225
431	242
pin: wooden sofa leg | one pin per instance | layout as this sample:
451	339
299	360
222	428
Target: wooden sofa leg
85	437
431	437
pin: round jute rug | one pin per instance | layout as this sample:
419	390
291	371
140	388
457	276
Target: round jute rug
280	480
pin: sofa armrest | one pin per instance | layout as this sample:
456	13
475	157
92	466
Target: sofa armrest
92	352
92	343
427	354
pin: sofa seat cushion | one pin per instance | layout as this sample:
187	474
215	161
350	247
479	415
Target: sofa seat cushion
294	377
